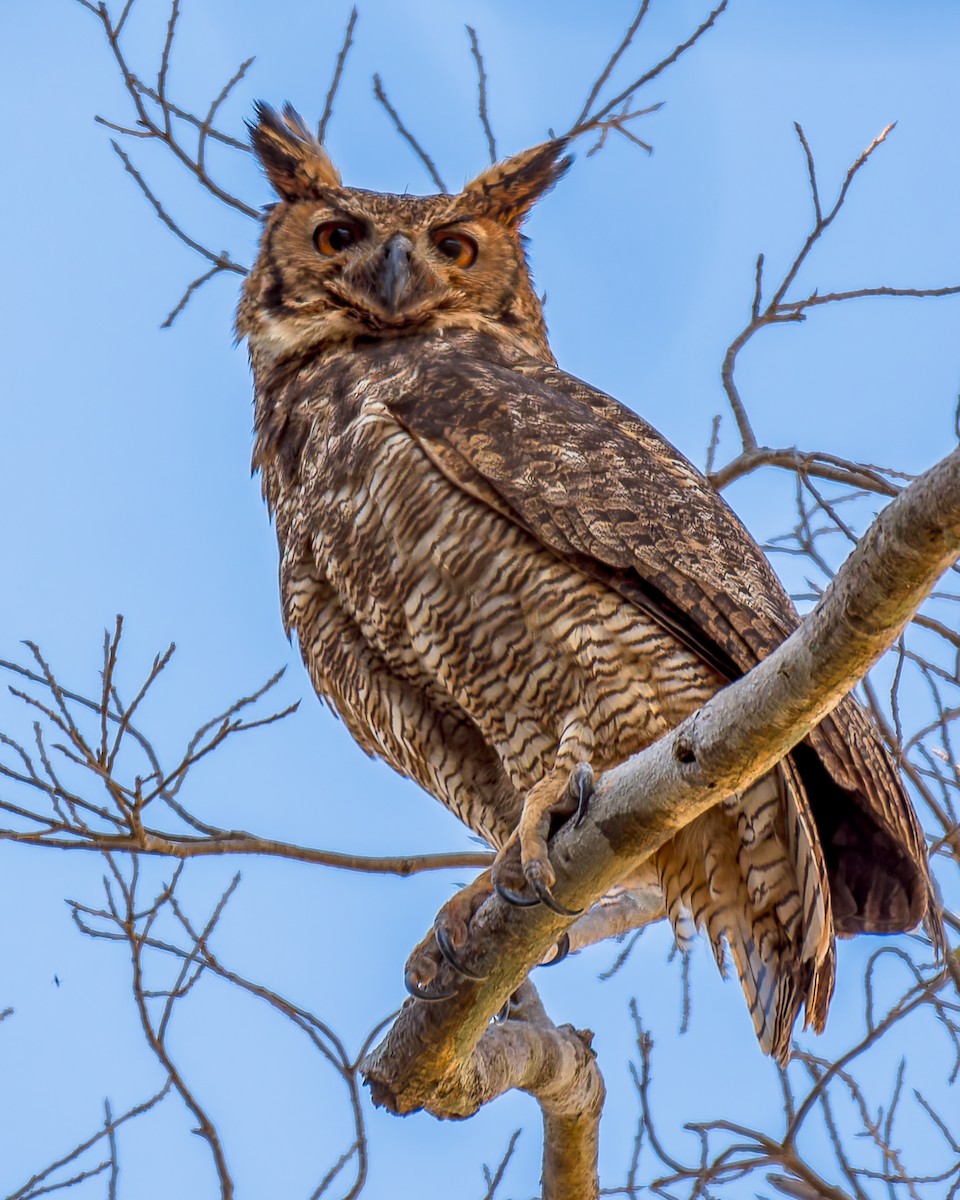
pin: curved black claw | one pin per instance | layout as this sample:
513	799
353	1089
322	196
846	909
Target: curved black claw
547	898
506	1008
448	952
424	993
582	782
515	898
563	949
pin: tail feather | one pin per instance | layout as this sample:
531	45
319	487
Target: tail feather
751	874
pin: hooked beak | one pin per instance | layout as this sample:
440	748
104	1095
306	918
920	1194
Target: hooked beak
395	273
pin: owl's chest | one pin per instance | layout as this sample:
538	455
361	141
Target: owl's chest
436	580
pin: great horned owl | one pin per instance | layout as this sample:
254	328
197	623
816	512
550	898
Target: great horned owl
503	580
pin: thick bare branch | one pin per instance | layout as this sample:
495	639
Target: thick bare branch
555	1065
615	916
736	737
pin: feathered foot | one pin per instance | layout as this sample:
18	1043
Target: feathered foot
548	800
445	942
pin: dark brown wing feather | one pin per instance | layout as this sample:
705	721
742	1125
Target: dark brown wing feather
602	489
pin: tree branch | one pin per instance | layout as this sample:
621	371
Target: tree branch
225	841
337	76
73	823
615	114
740	734
778	311
429	164
820	465
555	1065
482	111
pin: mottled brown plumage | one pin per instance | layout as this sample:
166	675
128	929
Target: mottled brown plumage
497	573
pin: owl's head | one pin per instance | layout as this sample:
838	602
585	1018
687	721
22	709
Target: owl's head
338	264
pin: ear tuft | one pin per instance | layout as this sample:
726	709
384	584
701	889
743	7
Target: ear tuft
295	162
509	189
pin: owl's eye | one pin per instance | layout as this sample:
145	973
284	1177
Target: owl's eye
334	236
457	247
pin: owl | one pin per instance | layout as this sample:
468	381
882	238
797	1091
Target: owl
505	582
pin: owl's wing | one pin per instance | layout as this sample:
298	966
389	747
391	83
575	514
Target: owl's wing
602	489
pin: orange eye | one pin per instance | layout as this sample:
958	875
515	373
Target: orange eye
334	236
457	247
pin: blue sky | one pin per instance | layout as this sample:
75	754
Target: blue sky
125	488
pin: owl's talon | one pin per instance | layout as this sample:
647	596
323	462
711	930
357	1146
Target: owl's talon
445	946
547	898
506	1008
581	786
514	898
563	949
508	867
424	992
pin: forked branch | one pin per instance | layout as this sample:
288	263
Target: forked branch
617	112
731	1152
110	756
598	116
130	919
778	310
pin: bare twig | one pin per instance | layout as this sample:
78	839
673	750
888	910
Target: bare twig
778	310
40	1183
612	62
158	118
482	94
120	826
126	923
607	114
222	261
407	136
495	1178
337	76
